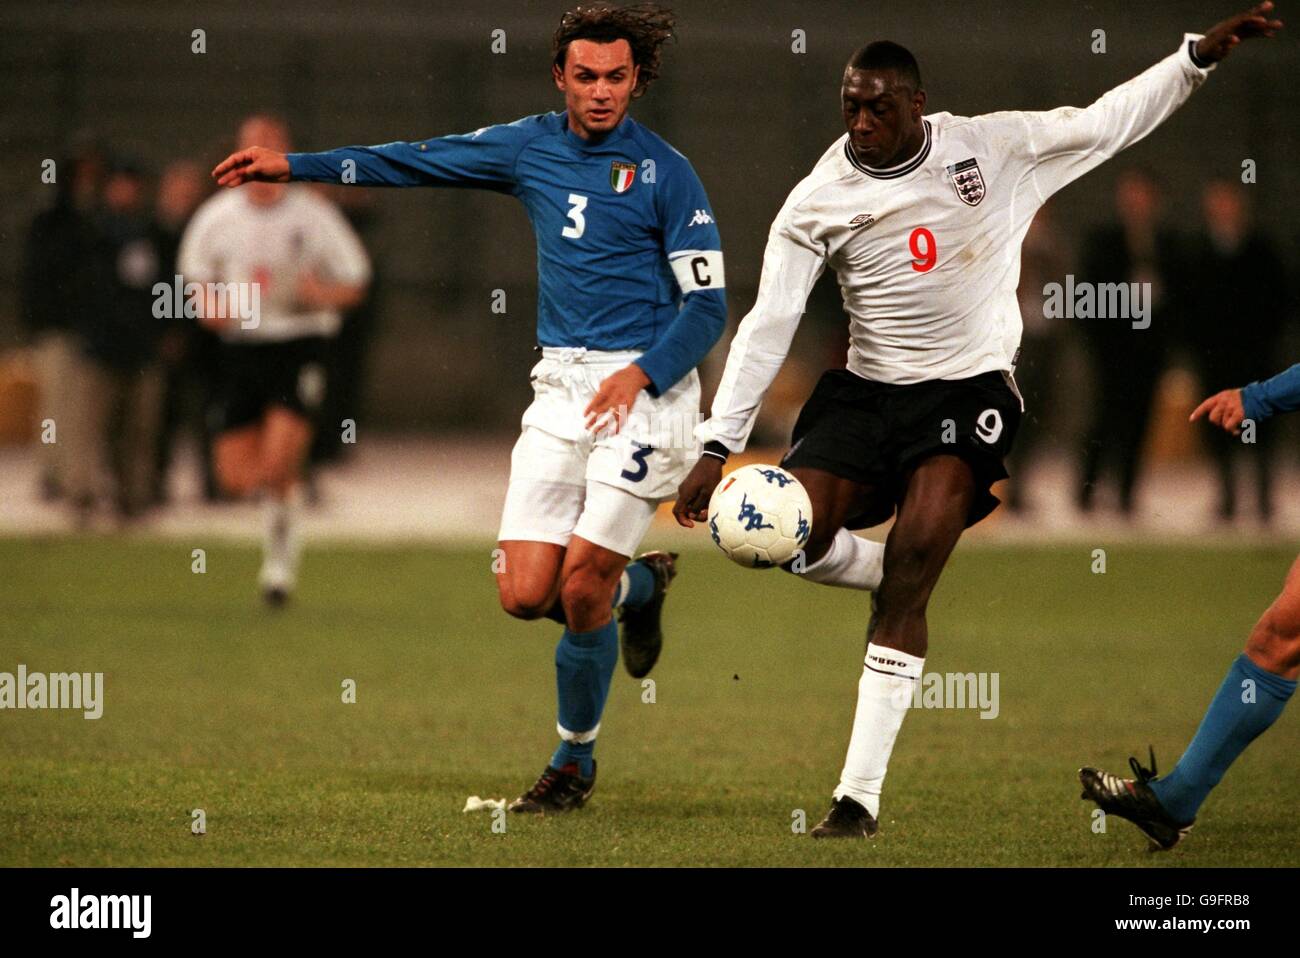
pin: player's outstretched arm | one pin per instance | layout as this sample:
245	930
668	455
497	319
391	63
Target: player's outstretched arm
1256	402
1224	409
1222	38
1064	144
253	164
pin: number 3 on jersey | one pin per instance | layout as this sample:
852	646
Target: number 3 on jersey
640	467
577	203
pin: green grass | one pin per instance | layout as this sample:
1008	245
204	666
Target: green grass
213	703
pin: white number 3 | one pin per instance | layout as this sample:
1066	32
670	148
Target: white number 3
579	203
989	426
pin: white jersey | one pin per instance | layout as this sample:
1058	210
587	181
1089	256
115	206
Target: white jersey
232	240
928	252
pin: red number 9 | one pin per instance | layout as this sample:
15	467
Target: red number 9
924	253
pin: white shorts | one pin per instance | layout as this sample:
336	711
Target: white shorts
566	480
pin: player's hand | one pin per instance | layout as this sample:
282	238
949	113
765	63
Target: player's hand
1224	409
1222	37
695	491
616	395
256	163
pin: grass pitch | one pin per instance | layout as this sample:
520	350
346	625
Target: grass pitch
213	703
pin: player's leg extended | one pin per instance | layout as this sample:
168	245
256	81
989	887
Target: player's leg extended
933	513
236	457
585	659
833	554
286	436
1253	694
528	577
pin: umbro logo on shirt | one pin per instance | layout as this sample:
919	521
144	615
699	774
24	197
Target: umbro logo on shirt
861	220
701	218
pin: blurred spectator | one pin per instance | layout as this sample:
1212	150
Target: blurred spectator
189	351
1043	259
1236	319
348	351
122	382
56	287
1127	363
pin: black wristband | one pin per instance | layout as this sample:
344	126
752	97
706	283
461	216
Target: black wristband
1191	52
717	449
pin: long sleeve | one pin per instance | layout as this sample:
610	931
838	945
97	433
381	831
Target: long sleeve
792	264
694	251
484	159
1272	396
1066	143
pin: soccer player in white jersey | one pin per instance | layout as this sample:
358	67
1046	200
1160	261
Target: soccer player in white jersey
297	266
921	217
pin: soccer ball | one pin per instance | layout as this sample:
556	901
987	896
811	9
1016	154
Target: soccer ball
760	516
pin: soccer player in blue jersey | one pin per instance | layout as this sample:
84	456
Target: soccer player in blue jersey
1257	687
630	299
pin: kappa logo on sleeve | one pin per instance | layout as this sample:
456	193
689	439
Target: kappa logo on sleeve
701	218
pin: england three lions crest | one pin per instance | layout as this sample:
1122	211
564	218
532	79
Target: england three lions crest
622	176
968	181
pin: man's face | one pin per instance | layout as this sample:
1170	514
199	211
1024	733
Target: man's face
882	115
1224	206
123	192
1137	199
597	82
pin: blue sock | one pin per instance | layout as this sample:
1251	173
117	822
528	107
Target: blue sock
584	665
637	586
1249	701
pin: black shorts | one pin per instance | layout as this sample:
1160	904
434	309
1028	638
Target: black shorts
876	433
252	377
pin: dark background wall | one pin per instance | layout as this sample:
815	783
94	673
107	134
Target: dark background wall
752	116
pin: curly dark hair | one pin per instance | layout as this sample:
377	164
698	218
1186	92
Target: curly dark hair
645	26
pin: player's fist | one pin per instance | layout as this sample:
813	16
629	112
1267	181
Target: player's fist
1222	37
1224	409
256	163
695	491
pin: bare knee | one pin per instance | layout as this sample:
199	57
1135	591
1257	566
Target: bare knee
1274	643
236	479
527	599
587	598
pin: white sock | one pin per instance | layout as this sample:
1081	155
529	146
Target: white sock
620	593
885	690
850	562
281	543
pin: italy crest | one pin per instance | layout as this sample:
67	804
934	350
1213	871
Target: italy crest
968	181
622	176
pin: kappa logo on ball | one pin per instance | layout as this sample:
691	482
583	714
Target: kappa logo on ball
968	181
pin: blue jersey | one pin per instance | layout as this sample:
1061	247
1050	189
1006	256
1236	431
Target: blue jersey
1279	394
628	253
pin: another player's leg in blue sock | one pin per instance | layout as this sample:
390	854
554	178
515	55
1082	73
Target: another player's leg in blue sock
1248	702
584	665
634	589
636	586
